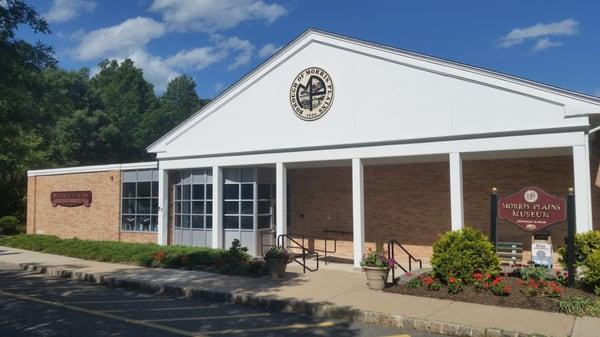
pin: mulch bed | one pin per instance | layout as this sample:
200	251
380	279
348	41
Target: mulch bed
516	299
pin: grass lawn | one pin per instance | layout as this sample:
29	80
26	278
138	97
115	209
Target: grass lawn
232	261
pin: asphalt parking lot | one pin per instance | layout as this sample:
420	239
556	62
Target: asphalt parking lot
38	305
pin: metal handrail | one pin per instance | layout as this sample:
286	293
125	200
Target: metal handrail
391	255
327	231
263	245
305	252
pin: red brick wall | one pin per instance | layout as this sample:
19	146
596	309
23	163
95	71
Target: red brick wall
100	221
411	202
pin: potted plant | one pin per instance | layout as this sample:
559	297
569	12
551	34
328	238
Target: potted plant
277	259
377	267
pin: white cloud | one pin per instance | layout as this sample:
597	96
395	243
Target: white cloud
540	33
267	50
122	39
214	15
219	87
244	48
160	70
543	44
64	10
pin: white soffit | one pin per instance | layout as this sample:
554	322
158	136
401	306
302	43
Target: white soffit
93	168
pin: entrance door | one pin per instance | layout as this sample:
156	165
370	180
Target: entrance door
193	208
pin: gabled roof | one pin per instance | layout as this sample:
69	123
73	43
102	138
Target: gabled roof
578	103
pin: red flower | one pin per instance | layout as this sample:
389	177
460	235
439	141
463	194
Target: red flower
452	280
486	285
497	280
477	276
506	289
488	276
427	280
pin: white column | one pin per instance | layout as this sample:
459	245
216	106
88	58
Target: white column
217	211
591	181
163	207
456	191
581	175
280	199
358	211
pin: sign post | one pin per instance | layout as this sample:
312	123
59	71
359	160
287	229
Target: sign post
493	215
571	238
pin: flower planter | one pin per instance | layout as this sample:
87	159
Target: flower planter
376	277
277	267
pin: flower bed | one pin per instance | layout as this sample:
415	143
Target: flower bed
513	290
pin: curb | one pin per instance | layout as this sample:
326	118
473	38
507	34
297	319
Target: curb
284	305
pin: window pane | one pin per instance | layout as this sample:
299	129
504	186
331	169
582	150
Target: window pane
209	207
143	189
178	220
197	221
208	221
247	174
247	222
129	190
264	221
185	207
198	207
185	221
231	207
143	206
155	188
177	206
198	191
264	191
154	206
143	223
231	191
231	222
177	192
264	207
154	223
247	207
128	222
209	191
247	191
128	206
185	192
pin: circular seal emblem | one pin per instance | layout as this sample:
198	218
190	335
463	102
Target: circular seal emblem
531	196
311	94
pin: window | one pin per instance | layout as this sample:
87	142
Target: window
193	199
139	200
238	198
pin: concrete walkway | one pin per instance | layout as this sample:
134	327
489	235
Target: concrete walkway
326	292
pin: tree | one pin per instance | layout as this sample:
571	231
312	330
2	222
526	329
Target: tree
179	101
21	83
126	98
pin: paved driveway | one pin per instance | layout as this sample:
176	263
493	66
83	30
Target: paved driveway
39	305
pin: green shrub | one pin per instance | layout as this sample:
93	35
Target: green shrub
579	306
591	271
461	253
10	225
233	261
585	244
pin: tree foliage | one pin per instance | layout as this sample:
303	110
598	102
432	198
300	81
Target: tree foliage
53	117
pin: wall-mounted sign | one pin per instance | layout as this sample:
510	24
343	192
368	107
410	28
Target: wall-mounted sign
311	94
71	198
532	209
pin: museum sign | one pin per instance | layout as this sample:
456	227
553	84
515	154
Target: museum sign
71	198
532	209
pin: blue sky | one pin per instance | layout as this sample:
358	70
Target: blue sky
218	41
